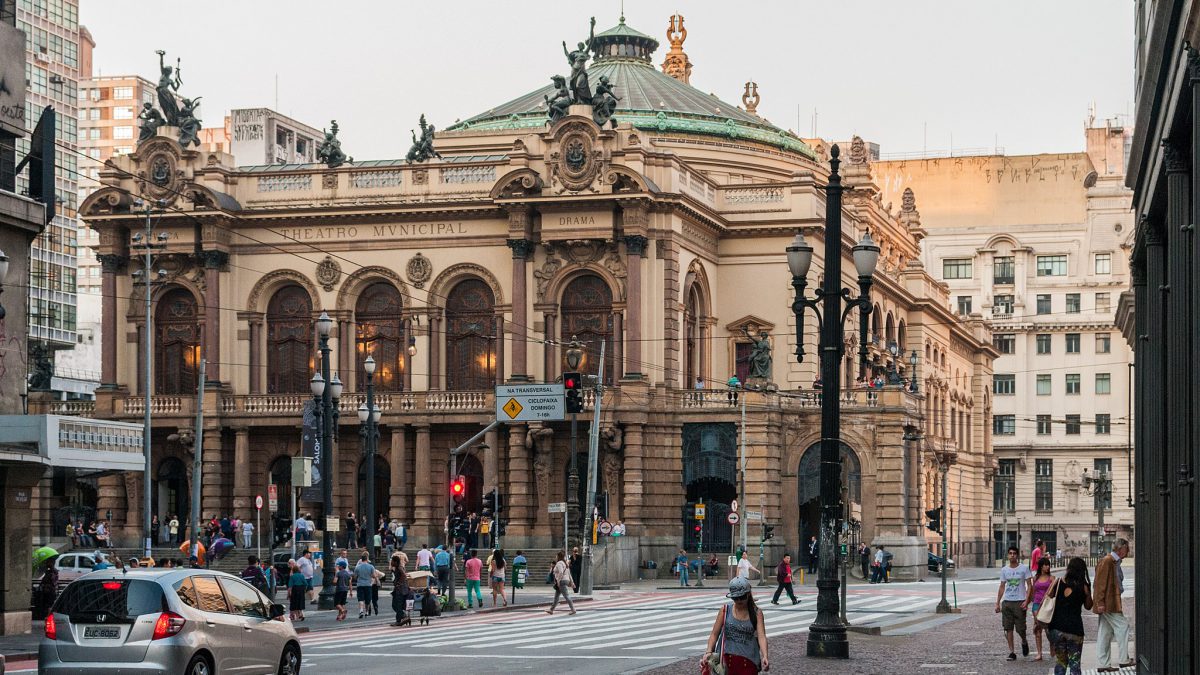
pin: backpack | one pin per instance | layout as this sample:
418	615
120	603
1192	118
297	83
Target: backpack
254	576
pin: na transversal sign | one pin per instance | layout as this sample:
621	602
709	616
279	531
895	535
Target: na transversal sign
529	402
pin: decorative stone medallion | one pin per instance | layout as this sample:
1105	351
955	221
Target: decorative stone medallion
577	160
328	273
419	270
158	161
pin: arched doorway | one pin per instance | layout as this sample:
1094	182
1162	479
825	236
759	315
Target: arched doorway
470	337
176	343
289	341
171	496
383	486
379	333
709	476
809	490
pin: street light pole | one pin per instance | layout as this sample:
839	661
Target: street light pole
943	607
827	634
149	244
328	390
574	357
368	415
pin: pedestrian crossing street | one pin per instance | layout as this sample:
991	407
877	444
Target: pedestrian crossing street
658	625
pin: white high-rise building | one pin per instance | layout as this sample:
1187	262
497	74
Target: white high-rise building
1038	245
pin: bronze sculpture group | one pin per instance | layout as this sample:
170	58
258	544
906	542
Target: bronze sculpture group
182	117
422	148
329	150
578	90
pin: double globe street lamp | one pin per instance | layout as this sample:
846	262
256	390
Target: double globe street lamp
327	398
827	634
368	416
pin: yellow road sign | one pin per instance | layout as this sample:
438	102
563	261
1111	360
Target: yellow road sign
512	408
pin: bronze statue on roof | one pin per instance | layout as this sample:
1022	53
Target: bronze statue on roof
169	81
151	121
581	91
422	148
189	124
329	150
604	102
557	107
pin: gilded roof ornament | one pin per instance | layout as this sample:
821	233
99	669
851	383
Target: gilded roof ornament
676	64
750	97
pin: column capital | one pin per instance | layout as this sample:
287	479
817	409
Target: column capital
1175	156
215	259
635	244
113	263
1193	64
521	248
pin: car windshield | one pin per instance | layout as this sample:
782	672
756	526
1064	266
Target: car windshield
120	598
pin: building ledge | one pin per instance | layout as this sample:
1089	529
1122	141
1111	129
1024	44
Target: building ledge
22	212
87	445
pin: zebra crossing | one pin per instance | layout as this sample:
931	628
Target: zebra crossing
640	627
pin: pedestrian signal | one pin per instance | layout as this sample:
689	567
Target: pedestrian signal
573	386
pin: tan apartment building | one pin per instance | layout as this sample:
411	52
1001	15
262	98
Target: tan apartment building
1038	246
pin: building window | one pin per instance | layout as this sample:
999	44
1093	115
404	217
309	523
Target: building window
122	112
1043	425
379	333
1052	265
289	341
1003	497
1044	384
1073	423
1003	270
1103	263
1073	303
94	134
1043	343
1103	424
1103	302
956	268
1004	425
1003	305
1043	303
1103	383
1072	383
1103	343
176	343
964	305
1004	385
471	337
587	314
1102	467
1005	343
122	133
93	114
1043	491
122	93
1073	343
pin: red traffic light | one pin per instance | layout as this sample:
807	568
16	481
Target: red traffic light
458	488
697	528
572	381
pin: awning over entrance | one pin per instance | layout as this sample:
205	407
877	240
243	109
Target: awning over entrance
84	444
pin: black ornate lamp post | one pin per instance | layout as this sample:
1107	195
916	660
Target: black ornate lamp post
912	360
368	416
827	634
327	398
574	358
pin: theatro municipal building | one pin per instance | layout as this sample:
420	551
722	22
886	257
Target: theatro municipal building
617	204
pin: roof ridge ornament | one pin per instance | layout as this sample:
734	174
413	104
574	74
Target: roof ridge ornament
750	97
676	64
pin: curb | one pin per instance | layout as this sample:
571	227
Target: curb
510	606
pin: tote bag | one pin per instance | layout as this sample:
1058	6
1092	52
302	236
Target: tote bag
1046	611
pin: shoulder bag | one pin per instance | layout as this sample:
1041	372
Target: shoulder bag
715	663
1045	613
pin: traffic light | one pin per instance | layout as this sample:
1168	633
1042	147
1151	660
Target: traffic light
489	504
935	519
458	489
768	532
499	526
697	528
602	505
573	384
499	503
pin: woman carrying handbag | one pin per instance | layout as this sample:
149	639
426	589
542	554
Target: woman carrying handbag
742	632
562	583
1063	609
1042	583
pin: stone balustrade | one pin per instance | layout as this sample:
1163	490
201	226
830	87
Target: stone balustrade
73	408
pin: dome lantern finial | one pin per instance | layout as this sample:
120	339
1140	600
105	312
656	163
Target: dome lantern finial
677	64
750	97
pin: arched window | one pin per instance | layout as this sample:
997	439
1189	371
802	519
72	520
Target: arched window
470	337
587	314
176	343
691	332
380	334
890	330
289	341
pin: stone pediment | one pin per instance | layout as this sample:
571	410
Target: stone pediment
751	323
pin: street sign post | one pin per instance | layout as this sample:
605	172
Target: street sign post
561	507
605	528
273	497
529	402
733	518
700	512
754	516
733	506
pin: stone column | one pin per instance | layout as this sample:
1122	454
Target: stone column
618	347
635	249
491	460
397	463
424	521
110	265
634	497
435	360
518	492
212	487
214	262
549	351
255	355
522	249
241	472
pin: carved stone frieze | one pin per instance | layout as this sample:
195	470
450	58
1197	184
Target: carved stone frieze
577	158
329	272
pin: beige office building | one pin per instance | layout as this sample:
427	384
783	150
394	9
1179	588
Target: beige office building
1038	246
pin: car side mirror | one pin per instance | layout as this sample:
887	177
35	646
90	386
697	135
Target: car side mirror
277	610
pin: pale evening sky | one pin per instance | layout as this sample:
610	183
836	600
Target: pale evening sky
907	75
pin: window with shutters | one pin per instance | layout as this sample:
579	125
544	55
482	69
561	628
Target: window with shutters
470	337
379	333
176	343
289	341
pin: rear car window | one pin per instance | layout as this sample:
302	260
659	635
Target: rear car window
122	598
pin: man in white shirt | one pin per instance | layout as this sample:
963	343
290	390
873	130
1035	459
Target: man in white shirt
744	567
307	567
247	534
424	558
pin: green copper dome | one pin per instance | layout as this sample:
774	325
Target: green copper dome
650	100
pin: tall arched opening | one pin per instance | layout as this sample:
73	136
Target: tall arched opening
809	490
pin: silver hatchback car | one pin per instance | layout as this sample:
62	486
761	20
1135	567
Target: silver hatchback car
191	621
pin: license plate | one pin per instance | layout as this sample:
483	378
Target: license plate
101	633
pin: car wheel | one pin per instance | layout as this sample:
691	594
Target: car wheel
199	665
289	662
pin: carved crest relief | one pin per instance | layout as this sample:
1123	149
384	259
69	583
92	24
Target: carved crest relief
159	172
578	160
329	272
419	270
